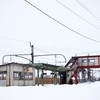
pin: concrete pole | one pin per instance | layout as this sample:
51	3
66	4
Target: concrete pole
55	78
38	80
42	77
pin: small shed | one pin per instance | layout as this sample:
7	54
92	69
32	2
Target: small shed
16	74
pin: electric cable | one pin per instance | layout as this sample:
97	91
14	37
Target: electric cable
13	39
88	10
77	15
1	53
22	50
41	50
5	51
61	23
21	41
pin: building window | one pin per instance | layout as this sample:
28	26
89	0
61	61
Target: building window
3	75
16	75
84	60
23	75
28	76
91	60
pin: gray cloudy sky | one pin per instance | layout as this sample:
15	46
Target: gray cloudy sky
21	23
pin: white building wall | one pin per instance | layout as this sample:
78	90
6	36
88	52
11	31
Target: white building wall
20	68
33	76
8	77
3	68
2	82
11	74
96	61
79	62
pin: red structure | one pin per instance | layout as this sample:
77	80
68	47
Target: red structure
82	68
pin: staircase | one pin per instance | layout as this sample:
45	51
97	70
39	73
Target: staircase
72	63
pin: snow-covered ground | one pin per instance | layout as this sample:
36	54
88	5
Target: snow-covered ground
84	91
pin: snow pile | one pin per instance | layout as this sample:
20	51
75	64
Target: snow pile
85	91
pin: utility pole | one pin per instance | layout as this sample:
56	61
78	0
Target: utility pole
32	52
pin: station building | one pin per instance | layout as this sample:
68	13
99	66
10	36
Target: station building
16	74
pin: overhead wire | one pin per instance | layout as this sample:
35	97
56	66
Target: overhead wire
1	53
61	23
10	47
77	14
44	51
5	51
87	9
41	50
20	48
13	39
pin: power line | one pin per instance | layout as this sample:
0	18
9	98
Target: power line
10	47
5	51
88	10
2	53
13	39
23	50
61	23
77	15
41	50
20	41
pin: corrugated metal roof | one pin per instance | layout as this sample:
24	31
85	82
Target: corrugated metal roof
51	67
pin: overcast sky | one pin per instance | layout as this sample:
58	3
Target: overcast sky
21	23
